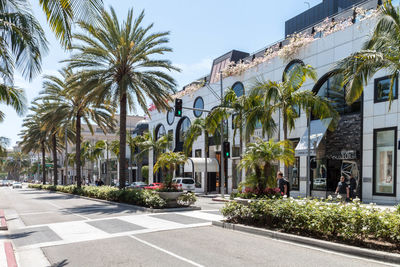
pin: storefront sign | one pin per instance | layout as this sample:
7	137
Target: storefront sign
343	155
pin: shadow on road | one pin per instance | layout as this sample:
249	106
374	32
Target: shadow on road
20	235
60	264
101	209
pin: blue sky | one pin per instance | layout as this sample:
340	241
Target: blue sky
200	31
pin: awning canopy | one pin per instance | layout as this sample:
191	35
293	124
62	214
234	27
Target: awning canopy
317	132
198	165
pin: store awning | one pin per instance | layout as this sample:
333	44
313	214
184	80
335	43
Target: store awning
317	132
198	165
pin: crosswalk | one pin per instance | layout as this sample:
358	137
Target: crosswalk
38	236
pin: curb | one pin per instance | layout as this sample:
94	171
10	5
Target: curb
345	249
151	210
220	199
11	261
3	222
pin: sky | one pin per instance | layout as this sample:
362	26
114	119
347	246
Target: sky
199	32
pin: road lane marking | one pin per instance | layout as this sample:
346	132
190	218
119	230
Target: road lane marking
167	252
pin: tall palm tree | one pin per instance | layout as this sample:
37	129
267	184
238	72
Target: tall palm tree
22	41
35	137
196	129
286	98
68	100
121	59
13	97
62	14
259	158
380	52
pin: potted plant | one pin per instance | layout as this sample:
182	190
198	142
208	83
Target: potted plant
170	162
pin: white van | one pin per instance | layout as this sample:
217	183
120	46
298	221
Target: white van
186	184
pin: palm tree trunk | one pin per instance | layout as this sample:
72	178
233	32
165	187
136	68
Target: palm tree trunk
205	166
78	151
122	141
55	169
241	142
44	163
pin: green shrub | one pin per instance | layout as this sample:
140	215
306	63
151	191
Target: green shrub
187	199
138	197
349	222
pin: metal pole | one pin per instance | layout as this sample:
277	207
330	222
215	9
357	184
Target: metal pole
66	156
222	175
308	153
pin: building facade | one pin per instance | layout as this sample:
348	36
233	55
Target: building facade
364	143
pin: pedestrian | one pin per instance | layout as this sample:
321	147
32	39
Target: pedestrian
283	184
342	189
353	187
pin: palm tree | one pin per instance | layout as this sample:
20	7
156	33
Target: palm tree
22	43
380	52
170	161
62	14
120	59
259	158
151	144
35	137
68	100
104	146
286	98
14	97
196	129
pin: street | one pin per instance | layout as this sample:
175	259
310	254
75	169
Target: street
52	229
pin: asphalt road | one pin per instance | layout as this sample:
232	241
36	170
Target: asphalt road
50	229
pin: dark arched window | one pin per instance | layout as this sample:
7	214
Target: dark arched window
160	131
170	116
198	103
291	66
238	88
330	87
181	129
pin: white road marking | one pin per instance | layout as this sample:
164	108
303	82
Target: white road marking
77	231
167	252
202	215
3	259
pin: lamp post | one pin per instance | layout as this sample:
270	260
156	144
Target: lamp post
308	152
222	175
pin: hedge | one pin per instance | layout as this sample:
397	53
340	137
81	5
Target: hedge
145	198
352	223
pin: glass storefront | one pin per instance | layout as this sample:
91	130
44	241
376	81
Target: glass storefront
385	161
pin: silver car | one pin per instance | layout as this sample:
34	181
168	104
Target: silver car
186	184
16	185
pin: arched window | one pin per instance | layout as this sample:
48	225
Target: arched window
238	88
170	116
329	86
198	103
181	129
290	67
160	131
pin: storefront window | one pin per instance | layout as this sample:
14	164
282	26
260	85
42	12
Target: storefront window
294	170
319	174
385	161
197	179
382	89
236	174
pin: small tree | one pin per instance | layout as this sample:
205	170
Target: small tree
170	161
259	158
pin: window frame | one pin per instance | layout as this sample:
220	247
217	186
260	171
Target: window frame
171	110
291	63
194	106
235	84
158	127
396	88
376	131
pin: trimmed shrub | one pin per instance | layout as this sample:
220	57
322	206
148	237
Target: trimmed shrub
147	198
351	222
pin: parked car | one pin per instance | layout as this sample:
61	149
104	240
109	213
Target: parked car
138	185
186	184
16	185
5	183
153	186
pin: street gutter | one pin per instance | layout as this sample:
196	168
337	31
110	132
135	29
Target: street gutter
345	249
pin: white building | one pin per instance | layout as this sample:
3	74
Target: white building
365	143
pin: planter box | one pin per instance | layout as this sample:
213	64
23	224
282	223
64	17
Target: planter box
171	198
